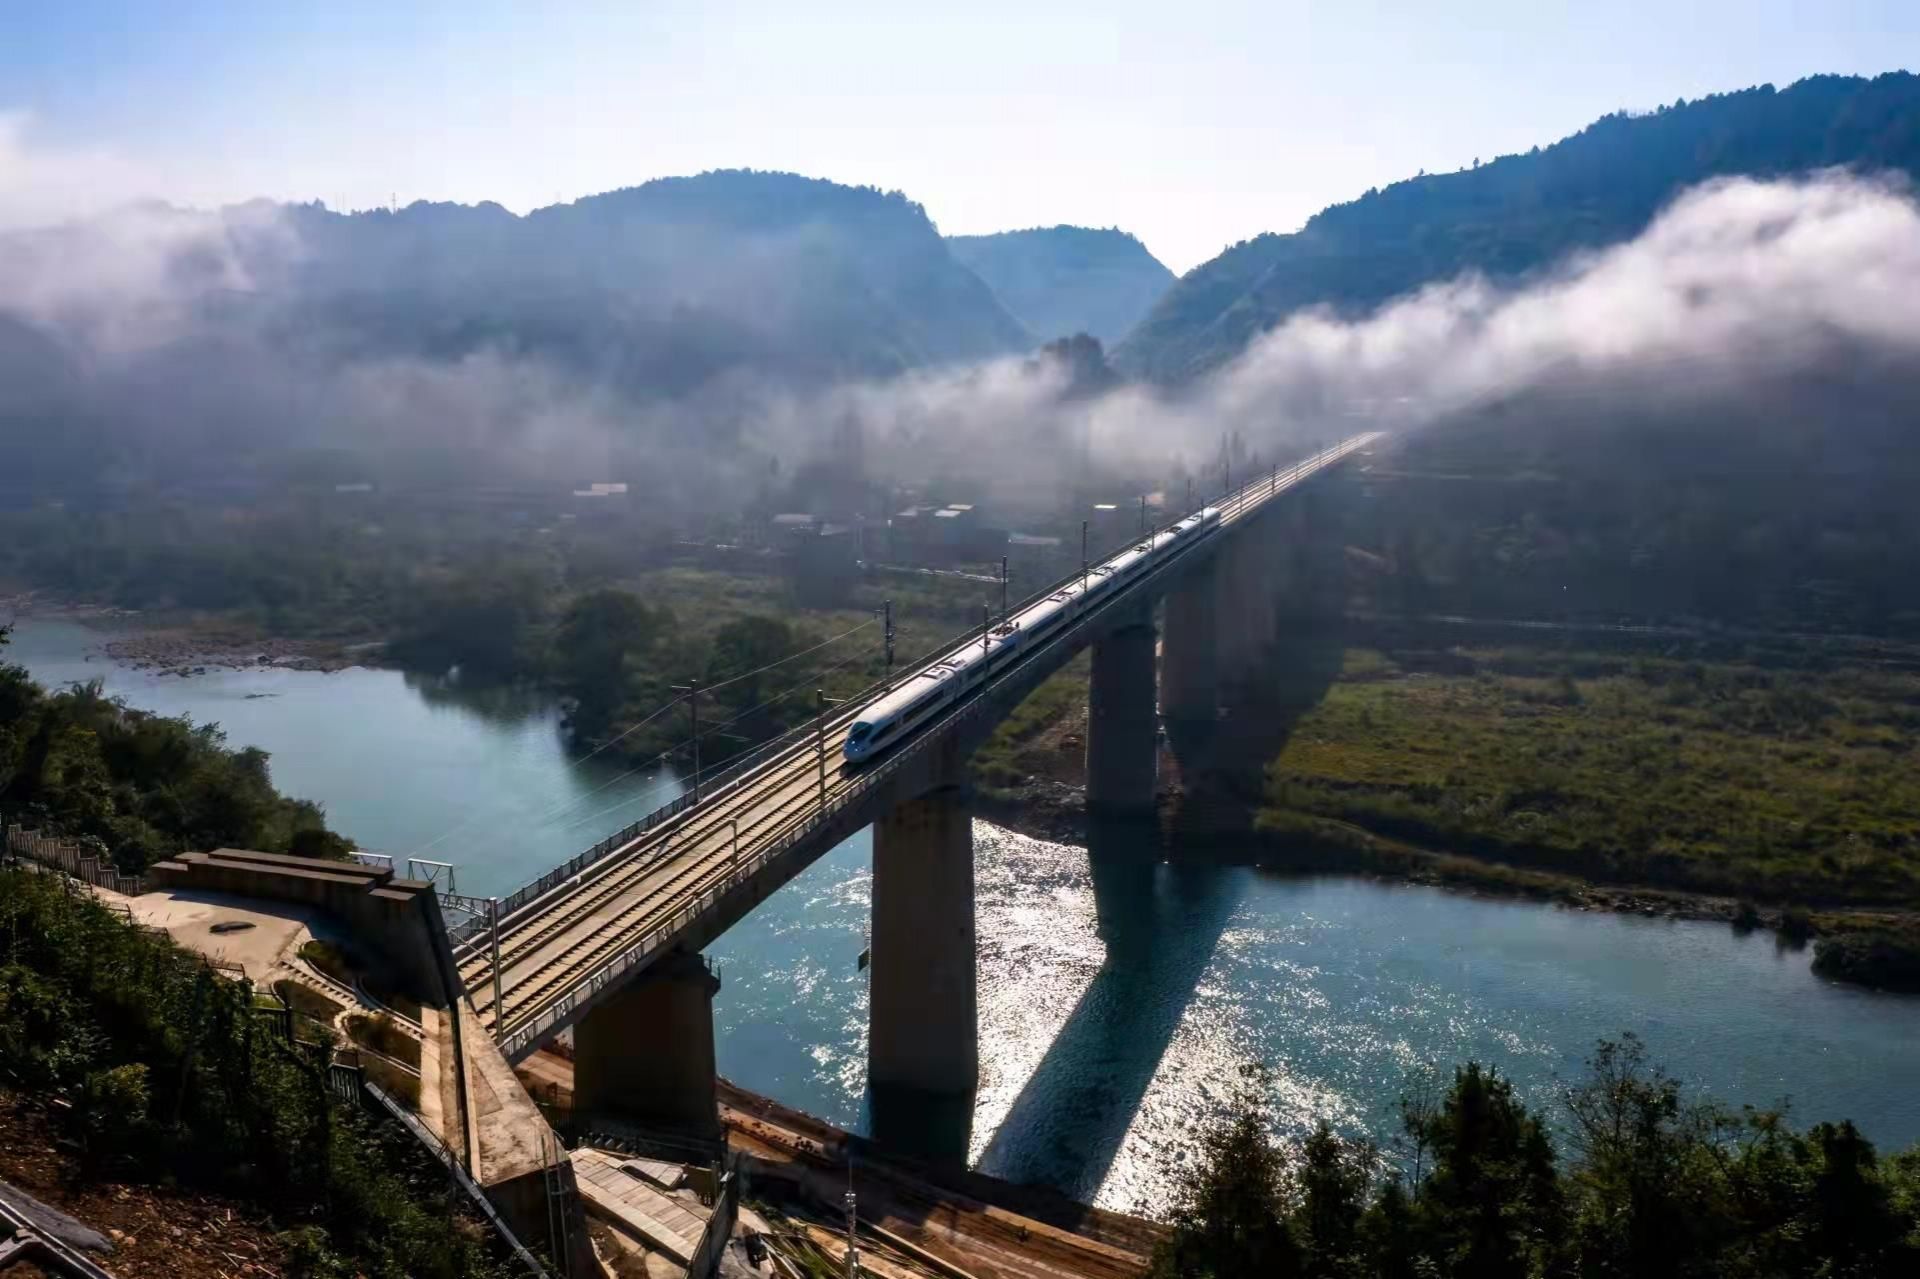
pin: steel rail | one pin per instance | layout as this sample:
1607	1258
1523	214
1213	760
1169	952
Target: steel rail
702	876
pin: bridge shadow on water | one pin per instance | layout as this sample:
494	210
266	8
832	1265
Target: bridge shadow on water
1163	898
1161	923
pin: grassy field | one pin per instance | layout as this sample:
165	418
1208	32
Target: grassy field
1015	751
1780	783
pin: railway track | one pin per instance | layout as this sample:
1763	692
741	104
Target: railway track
617	898
551	946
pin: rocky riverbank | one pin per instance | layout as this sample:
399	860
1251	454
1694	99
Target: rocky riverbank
185	645
193	651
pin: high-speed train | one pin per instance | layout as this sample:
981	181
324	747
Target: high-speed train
893	718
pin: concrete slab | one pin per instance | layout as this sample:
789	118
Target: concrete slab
277	931
668	1223
512	1135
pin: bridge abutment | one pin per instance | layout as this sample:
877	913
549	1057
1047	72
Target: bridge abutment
923	1029
1122	727
646	1054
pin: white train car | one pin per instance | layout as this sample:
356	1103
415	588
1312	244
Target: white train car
893	718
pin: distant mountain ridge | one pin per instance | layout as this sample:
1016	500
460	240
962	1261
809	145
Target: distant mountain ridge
666	284
157	341
1064	280
1519	213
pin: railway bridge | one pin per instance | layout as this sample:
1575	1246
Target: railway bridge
608	944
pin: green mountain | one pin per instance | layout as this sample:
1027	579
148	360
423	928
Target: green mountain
661	286
1064	280
466	337
1521	212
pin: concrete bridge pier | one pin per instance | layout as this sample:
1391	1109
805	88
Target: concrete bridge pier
1244	599
1122	727
646	1054
1190	649
923	1031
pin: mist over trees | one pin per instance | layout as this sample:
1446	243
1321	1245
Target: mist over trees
734	341
447	344
1520	213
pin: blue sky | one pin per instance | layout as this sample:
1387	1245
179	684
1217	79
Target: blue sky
1191	124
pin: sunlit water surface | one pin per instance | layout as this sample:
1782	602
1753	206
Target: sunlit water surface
1119	994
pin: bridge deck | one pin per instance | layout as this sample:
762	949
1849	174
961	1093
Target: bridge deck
562	948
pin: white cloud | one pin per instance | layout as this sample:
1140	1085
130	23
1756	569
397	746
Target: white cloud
41	184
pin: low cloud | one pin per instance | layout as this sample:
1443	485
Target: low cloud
177	325
41	184
1737	279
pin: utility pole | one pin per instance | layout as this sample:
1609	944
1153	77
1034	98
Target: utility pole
1003	589
493	918
887	606
1083	557
821	702
853	1264
1189	495
692	691
1143	514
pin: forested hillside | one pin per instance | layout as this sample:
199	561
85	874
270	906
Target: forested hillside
659	286
1064	280
1519	213
452	345
1789	508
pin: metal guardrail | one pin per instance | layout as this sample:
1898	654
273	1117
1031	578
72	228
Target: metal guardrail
551	1017
705	1262
65	855
24	1238
438	1149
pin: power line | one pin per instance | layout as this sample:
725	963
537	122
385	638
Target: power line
459	827
717	765
709	688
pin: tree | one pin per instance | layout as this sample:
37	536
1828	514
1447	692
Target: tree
74	777
1491	1207
318	841
1334	1178
1639	1209
1230	1219
602	633
751	695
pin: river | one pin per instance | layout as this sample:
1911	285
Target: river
1119	993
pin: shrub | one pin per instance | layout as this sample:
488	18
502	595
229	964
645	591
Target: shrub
113	1108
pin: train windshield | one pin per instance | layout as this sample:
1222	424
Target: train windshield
858	733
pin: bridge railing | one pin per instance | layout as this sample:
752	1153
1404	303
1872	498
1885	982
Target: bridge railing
554	1016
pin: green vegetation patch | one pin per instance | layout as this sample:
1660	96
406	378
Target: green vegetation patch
307	1002
141	786
168	1072
380	1033
1630	1176
395	1082
332	960
1783	784
998	763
